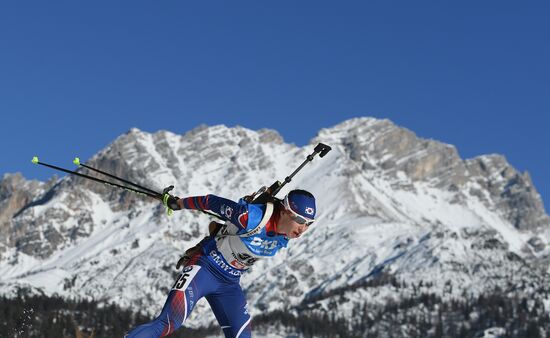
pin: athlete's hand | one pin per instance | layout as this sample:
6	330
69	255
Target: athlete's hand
170	201
189	253
181	262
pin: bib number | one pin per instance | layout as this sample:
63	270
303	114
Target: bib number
186	276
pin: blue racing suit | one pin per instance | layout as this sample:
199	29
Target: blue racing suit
214	271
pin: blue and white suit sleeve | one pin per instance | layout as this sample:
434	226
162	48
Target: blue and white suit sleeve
236	213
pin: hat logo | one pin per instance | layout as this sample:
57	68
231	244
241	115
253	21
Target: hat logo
309	211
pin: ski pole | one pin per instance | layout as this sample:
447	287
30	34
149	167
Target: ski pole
77	162
146	193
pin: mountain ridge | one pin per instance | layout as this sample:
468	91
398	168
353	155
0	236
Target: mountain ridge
390	203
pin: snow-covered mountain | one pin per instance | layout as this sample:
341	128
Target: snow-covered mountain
390	204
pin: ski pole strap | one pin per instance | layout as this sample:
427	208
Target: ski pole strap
169	211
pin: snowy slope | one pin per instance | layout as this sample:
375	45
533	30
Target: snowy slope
388	202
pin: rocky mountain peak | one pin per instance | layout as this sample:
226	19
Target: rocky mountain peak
511	192
16	193
232	135
9	183
389	203
381	145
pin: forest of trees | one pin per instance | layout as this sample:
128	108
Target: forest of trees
424	315
55	317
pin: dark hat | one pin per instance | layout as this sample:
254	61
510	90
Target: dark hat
301	202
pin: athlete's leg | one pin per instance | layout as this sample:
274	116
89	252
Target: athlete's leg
193	283
229	306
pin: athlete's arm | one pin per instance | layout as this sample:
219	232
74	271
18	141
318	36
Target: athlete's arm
229	210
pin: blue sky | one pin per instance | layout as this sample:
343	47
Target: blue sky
74	75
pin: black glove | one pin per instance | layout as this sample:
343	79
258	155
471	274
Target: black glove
182	261
189	253
170	201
